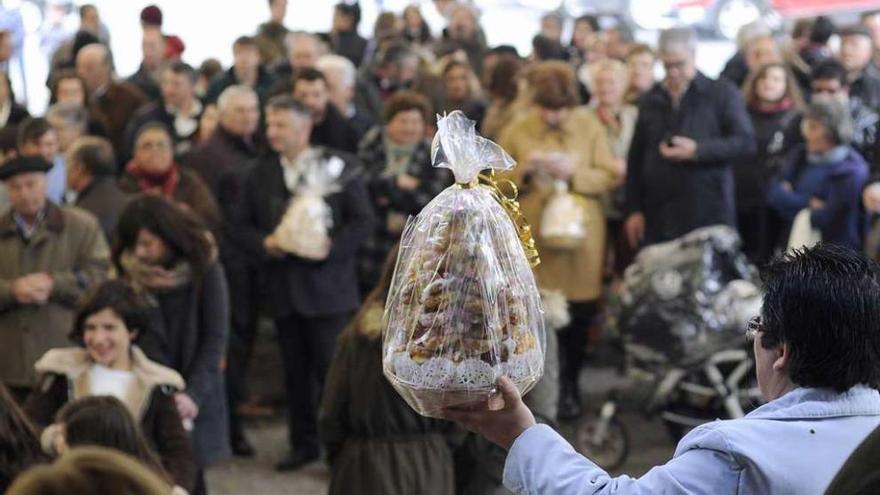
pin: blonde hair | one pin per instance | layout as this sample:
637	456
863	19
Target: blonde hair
617	68
90	471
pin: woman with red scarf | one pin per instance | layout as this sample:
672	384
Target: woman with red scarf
154	171
774	102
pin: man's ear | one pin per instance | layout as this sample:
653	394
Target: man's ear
783	354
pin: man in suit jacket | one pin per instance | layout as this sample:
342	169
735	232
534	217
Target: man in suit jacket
112	102
91	174
311	299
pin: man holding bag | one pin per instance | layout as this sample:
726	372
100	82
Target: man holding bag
311	293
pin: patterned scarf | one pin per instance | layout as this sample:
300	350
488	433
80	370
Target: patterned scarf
154	278
164	183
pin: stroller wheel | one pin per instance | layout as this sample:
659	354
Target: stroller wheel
608	449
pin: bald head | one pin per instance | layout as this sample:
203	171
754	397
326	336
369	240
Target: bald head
303	50
93	65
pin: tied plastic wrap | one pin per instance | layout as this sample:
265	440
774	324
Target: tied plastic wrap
463	307
564	220
686	299
304	229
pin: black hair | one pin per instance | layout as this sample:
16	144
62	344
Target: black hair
353	11
309	74
183	233
822	30
118	296
592	20
395	54
285	102
245	41
183	69
504	50
830	69
824	302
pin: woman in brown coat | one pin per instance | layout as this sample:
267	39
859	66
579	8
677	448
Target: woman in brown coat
557	143
107	363
375	442
153	170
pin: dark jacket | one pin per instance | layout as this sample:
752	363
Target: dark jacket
866	88
17	113
838	184
774	138
350	45
114	108
735	70
677	197
859	474
64	377
293	284
264	82
221	153
375	442
388	200
105	200
191	191
157	112
190	327
335	132
146	83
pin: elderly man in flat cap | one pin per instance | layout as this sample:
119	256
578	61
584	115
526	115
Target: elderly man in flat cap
49	256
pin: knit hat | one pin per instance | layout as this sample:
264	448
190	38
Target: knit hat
152	16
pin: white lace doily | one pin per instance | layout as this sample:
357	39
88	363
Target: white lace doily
444	374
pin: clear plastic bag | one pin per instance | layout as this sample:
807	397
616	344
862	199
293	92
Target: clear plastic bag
463	307
304	229
564	219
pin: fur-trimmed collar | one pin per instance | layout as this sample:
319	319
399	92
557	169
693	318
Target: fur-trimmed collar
75	364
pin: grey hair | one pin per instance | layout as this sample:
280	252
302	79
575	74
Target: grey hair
70	114
681	38
833	114
233	92
340	65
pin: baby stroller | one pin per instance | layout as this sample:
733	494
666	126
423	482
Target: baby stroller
681	319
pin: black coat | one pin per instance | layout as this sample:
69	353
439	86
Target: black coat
146	83
221	153
188	333
293	284
104	199
335	132
677	197
774	137
866	88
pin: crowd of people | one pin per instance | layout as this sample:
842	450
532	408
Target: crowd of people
139	241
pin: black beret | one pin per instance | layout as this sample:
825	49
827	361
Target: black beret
23	164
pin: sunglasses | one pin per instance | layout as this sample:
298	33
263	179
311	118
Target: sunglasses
754	326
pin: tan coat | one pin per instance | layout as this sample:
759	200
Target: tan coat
578	272
68	245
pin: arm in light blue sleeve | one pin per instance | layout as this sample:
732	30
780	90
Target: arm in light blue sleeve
542	462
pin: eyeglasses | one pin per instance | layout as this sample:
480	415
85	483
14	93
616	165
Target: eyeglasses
756	324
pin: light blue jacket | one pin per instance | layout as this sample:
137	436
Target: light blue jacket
792	445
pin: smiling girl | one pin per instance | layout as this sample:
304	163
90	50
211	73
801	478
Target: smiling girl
107	362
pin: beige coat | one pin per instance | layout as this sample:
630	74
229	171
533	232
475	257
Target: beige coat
68	245
578	272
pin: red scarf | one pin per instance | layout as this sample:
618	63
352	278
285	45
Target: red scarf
773	106
164	183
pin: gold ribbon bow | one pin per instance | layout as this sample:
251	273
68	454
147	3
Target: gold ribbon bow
511	206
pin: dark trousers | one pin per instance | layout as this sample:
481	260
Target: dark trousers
307	345
573	342
244	317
